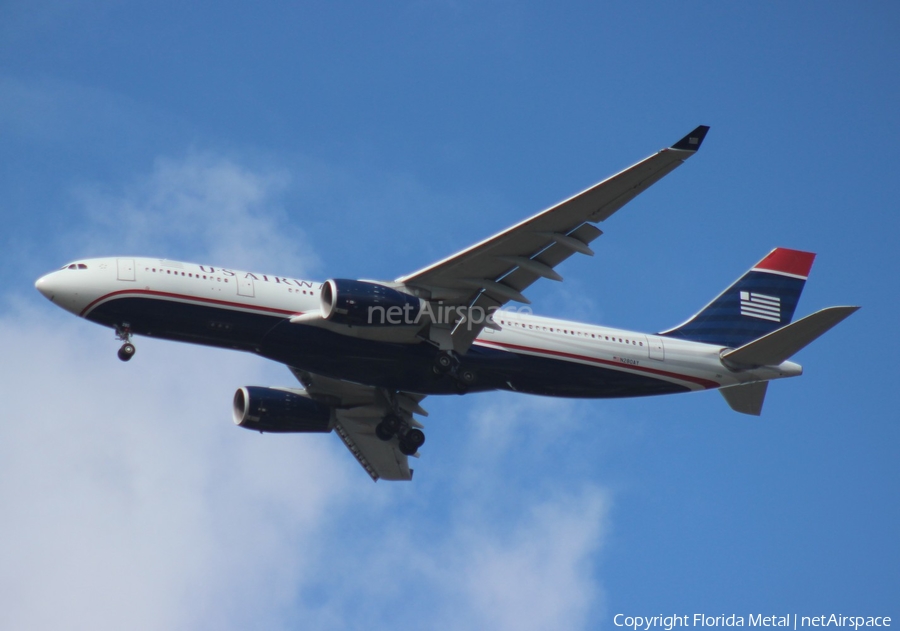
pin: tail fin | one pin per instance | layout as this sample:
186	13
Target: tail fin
759	302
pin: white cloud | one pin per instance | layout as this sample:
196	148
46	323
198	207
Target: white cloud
540	574
130	501
202	205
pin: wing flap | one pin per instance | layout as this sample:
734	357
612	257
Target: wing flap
521	278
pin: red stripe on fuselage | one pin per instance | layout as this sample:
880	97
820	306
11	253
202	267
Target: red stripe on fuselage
213	301
706	383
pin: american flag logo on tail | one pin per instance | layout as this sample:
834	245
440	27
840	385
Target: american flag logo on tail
761	306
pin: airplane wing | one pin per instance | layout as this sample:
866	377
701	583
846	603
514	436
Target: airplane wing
358	409
499	269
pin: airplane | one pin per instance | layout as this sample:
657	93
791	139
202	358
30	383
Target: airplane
367	352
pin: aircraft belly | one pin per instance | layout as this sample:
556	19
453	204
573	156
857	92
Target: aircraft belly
394	366
408	367
186	322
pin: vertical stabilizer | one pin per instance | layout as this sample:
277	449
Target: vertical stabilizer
759	302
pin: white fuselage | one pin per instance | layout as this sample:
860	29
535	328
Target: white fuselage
97	286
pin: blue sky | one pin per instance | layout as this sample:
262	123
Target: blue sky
368	140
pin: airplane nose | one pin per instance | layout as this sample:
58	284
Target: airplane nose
48	285
66	289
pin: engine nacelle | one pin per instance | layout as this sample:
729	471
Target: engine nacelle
281	411
361	303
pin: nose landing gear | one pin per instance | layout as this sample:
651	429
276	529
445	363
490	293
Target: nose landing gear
123	333
126	352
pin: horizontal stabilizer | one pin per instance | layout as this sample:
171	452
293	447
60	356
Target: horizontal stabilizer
776	347
746	398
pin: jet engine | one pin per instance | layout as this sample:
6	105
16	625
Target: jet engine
279	410
363	303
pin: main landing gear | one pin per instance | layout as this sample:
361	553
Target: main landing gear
410	438
123	333
447	362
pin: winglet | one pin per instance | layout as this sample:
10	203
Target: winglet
693	140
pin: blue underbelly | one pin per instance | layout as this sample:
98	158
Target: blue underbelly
405	367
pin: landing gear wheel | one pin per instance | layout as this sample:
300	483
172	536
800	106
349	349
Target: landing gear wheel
411	441
123	333
383	432
126	352
467	377
443	362
388	427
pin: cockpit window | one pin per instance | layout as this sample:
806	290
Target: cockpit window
82	266
74	266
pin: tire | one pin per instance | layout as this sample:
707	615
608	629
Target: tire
383	432
443	362
126	352
411	441
416	437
